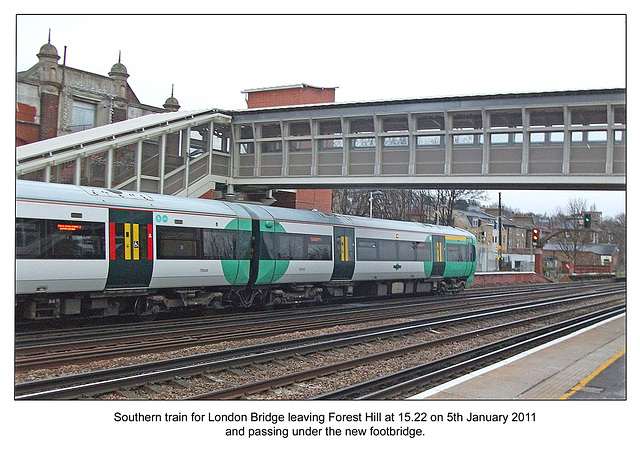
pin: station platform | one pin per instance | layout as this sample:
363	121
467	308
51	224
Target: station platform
588	364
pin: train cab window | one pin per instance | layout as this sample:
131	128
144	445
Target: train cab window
461	252
456	253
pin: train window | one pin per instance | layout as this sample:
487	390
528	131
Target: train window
303	247
178	243
455	253
28	234
243	245
118	240
267	246
59	239
319	248
367	250
202	243
290	247
218	244
388	250
406	251
423	251
138	234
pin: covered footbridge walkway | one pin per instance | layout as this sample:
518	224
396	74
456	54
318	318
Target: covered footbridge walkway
560	140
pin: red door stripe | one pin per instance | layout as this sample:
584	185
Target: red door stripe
112	241
150	241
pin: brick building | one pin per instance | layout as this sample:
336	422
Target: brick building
53	99
280	96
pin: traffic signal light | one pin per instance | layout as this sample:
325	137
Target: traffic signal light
535	237
587	221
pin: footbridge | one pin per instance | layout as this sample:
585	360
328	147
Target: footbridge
559	140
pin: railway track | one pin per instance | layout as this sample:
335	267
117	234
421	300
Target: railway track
214	364
422	377
55	348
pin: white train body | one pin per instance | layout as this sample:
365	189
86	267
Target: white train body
95	251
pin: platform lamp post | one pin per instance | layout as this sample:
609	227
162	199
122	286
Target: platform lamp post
377	192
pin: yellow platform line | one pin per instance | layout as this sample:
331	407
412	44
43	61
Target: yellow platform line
593	375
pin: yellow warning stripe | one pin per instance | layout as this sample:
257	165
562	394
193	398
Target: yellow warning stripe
439	257
456	238
136	242
593	375
127	241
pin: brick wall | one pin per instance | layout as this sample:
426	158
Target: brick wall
119	114
305	199
48	116
290	96
308	199
27	131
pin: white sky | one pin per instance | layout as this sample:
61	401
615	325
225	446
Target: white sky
210	59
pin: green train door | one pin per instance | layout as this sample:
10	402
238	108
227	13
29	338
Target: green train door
439	256
130	248
344	261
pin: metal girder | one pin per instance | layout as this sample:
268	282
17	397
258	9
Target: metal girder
484	182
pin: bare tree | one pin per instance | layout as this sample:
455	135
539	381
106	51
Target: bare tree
426	206
617	229
569	234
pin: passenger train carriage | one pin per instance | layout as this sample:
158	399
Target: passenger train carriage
97	251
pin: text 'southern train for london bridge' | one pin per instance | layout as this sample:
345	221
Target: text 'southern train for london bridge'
102	252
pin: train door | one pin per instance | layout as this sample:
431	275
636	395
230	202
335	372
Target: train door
344	261
439	256
130	248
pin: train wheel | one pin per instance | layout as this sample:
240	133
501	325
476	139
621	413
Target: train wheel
145	311
209	310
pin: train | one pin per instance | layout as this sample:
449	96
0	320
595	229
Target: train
90	251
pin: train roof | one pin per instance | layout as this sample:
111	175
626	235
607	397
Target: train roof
43	191
311	216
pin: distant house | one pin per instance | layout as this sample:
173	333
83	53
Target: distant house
588	258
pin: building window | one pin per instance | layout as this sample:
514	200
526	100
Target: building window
83	116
